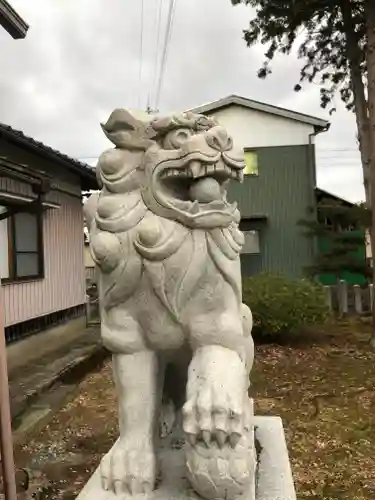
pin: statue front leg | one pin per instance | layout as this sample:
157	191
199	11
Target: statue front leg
130	466
217	415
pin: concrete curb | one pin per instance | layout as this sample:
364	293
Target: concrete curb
90	359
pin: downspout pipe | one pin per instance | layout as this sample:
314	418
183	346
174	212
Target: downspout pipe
312	170
317	131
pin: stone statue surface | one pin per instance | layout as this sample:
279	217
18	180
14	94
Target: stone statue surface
166	243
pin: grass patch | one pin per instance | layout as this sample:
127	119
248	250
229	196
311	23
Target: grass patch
323	388
325	394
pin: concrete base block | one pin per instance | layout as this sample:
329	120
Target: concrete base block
273	480
274	474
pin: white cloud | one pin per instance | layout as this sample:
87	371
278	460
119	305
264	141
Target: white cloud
81	59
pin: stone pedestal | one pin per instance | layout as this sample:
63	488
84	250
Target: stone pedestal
273	479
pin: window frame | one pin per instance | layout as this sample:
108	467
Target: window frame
12	252
256	152
254	231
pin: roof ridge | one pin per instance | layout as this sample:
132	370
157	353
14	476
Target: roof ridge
19	134
260	106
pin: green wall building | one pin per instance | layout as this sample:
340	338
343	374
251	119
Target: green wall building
280	182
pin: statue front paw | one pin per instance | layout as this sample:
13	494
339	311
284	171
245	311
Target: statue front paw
216	408
130	467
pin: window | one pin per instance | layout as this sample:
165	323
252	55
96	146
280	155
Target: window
251	244
4	259
21	254
251	163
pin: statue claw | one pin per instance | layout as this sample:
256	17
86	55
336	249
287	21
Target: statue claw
234	439
192	439
127	468
221	438
206	436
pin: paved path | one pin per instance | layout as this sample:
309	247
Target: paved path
41	385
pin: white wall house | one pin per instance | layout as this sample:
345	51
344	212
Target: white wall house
280	176
253	124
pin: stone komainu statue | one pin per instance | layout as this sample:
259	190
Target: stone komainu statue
166	243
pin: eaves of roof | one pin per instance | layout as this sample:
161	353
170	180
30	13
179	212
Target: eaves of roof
318	123
83	170
11	21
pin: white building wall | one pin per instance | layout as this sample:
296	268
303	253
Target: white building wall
255	129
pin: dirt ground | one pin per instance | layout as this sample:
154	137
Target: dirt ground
323	388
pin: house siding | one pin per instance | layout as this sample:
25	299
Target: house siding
62	178
284	193
251	128
63	286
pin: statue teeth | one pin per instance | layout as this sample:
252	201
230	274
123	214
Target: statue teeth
195	168
210	169
176	172
194	207
216	204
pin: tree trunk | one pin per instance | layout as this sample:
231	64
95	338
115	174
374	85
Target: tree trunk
360	104
370	57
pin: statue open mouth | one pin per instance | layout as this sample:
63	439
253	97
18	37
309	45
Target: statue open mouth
196	186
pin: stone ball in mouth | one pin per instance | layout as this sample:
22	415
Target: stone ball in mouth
205	190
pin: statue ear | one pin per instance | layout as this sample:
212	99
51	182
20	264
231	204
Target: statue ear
120	119
124	130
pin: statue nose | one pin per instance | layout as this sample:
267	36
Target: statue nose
219	139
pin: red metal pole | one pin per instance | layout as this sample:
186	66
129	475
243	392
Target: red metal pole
6	441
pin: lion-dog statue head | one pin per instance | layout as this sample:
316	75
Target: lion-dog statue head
181	164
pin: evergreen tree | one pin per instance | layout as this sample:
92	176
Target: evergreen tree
342	229
336	40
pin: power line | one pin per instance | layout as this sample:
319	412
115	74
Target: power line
336	149
168	32
318	150
318	156
141	53
158	11
335	154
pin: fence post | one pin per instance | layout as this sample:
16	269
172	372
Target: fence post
357	299
371	292
343	297
88	310
328	291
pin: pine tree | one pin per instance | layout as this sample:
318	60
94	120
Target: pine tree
342	229
336	40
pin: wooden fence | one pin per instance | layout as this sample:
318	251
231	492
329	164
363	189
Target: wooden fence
92	300
349	299
90	273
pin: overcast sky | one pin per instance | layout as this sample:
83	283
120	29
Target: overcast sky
81	59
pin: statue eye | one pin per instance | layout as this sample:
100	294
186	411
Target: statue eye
175	139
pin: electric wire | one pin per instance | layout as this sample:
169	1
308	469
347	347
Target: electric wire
141	54
319	152
159	8
167	39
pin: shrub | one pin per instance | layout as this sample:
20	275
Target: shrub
281	306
